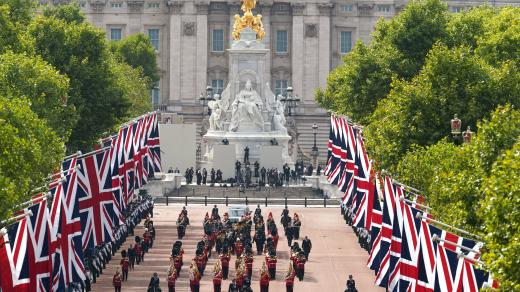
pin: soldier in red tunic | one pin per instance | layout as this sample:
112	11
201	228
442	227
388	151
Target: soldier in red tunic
116	281
264	278
249	263
172	278
239	247
300	265
271	265
289	278
194	277
125	264
240	275
217	277
276	237
225	257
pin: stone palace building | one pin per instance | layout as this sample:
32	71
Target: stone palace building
306	38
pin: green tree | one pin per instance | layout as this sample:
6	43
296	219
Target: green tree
47	90
137	50
81	52
30	152
500	212
9	38
133	84
397	51
452	81
20	11
69	13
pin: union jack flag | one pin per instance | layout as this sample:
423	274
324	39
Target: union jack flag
376	221
14	261
427	257
382	263
153	145
66	243
128	169
40	264
96	199
138	133
334	165
381	244
347	181
404	277
365	187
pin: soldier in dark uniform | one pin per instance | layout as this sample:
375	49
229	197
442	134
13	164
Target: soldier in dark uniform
212	176
246	155
318	170
204	175
257	168
306	246
351	284
263	173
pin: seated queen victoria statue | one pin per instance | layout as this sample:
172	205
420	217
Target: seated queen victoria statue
247	108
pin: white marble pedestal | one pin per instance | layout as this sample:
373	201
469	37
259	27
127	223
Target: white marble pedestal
253	140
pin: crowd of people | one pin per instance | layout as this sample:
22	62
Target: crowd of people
250	175
97	258
233	241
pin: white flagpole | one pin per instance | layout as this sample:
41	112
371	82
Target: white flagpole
17	217
419	215
437	238
412	202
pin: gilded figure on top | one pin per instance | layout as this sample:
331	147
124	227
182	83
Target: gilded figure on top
248	20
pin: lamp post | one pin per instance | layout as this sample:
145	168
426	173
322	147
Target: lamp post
467	135
314	151
204	100
456	125
290	101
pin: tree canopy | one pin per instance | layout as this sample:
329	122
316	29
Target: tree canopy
59	84
422	67
137	51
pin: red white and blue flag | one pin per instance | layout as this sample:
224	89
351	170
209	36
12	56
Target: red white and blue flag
14	260
96	199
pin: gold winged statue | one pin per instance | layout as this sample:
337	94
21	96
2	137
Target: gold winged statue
248	20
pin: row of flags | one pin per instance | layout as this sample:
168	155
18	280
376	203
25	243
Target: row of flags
409	252
43	249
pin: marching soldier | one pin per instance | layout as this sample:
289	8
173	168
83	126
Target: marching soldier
194	277
249	263
172	278
296	226
116	281
217	277
225	257
300	265
306	246
289	278
271	264
125	263
264	278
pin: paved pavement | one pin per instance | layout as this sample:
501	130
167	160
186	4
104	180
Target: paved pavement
335	253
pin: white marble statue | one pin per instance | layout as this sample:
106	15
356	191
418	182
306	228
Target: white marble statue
279	116
247	107
217	114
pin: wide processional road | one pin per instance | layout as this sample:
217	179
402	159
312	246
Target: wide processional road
335	253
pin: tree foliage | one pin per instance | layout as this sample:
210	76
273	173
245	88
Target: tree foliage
133	84
81	52
47	90
137	50
30	150
500	211
69	13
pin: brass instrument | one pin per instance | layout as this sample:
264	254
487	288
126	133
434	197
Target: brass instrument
248	20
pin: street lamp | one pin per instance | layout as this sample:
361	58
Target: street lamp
456	125
314	151
204	100
290	101
467	135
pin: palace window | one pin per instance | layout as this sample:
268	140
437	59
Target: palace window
346	7
217	85
345	42
456	9
280	87
281	41
153	34
217	40
154	5
116	4
156	94
115	34
383	8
